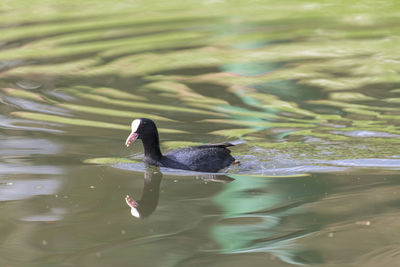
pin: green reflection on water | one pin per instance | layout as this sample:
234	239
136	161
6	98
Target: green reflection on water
255	212
277	73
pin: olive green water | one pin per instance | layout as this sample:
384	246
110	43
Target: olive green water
313	87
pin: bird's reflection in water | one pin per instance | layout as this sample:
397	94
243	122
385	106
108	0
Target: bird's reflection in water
151	190
152	178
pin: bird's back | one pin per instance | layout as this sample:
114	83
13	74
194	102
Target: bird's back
206	158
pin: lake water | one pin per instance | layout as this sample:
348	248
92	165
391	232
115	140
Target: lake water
312	87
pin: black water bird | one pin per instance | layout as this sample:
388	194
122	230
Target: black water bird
203	158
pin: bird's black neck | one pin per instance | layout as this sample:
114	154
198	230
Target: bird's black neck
151	146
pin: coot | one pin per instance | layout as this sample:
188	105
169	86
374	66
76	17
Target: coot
204	158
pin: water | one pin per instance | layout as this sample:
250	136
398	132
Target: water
313	89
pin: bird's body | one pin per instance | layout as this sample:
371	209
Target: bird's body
207	159
204	158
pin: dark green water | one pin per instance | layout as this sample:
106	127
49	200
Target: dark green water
313	87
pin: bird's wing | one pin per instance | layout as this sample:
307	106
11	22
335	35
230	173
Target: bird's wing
225	144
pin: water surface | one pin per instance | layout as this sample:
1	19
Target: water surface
313	89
